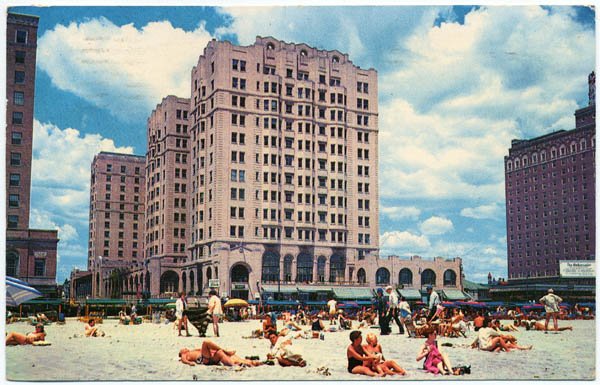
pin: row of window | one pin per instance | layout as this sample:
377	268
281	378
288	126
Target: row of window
563	150
109	168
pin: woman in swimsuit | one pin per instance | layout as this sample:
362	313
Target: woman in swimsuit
14	338
359	361
213	354
381	365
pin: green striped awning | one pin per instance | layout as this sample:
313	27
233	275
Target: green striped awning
46	301
354	293
105	301
410	294
313	289
454	295
279	288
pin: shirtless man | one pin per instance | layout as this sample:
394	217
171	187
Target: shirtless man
213	354
382	365
91	330
14	338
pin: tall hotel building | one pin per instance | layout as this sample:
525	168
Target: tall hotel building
283	167
117	193
167	182
30	253
550	199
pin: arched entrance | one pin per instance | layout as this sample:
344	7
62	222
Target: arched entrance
337	268
405	277
382	276
449	278
169	282
192	282
321	262
361	275
428	277
239	281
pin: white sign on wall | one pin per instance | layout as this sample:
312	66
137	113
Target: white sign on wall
577	269
213	283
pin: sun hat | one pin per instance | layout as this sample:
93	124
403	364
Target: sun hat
379	290
389	288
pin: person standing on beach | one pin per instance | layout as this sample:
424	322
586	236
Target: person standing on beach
382	312
434	302
332	309
550	302
215	310
181	314
394	308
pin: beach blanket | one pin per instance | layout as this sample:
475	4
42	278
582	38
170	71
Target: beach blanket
41	343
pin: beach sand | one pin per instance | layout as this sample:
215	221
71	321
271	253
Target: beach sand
149	352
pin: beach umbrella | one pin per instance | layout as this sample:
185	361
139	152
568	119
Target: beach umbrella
236	302
449	304
18	291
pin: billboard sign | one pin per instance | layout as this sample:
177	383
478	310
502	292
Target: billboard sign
577	269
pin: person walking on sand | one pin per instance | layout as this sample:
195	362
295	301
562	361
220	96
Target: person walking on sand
181	314
551	302
394	308
382	314
215	310
332	304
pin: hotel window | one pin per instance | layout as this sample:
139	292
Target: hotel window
15	159
15	180
19	77
21	36
13	200
17	117
39	267
16	138
20	57
18	98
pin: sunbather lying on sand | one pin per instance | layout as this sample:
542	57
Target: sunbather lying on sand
213	354
91	330
14	338
539	325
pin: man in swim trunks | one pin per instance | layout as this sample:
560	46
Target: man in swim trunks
213	354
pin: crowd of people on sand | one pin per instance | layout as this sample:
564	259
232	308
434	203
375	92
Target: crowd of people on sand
367	358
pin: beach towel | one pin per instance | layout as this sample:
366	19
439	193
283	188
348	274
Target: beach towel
41	343
434	357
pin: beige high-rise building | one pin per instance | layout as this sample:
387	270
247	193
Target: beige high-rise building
167	176
117	192
284	166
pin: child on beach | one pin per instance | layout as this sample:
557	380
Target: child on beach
382	365
212	354
359	361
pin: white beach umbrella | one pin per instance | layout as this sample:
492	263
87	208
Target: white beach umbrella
18	291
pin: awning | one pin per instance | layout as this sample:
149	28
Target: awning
157	301
410	294
278	289
105	302
281	303
455	295
46	301
352	293
313	289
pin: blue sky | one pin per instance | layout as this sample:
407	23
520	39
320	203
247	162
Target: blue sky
456	84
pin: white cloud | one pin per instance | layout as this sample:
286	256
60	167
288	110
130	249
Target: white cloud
41	220
121	68
61	167
404	242
491	211
401	212
436	226
461	92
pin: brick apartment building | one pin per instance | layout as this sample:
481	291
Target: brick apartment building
550	202
30	253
